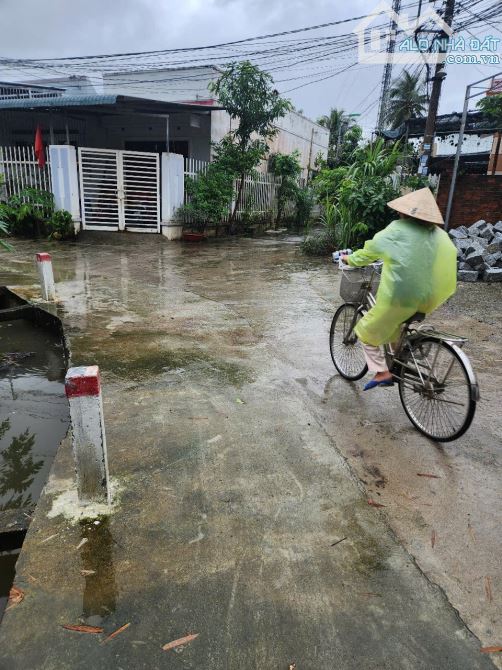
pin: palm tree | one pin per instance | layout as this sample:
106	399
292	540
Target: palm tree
407	99
334	122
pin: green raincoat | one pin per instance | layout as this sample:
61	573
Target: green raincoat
419	273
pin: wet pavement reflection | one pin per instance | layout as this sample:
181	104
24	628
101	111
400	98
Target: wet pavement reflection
33	410
100	592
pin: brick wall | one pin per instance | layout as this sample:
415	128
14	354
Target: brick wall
477	196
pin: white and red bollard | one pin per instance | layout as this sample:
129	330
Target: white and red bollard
83	390
44	265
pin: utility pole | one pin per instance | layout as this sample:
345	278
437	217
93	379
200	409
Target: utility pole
437	83
387	73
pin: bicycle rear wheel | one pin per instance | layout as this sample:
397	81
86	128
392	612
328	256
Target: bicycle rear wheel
346	350
438	389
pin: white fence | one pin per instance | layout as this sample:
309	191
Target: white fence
21	170
259	196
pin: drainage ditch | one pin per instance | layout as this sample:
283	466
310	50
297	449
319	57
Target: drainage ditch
34	418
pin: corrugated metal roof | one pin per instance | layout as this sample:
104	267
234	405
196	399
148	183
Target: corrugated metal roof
62	101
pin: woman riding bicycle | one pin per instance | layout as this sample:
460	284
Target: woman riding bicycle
419	273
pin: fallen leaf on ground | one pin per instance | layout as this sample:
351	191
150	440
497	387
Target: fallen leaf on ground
180	642
490	650
87	573
16	595
117	632
292	666
241	402
82	628
374	503
428	474
433	538
488	589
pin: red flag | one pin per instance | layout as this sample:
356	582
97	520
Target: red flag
39	148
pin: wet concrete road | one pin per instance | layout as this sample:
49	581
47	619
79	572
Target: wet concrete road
228	432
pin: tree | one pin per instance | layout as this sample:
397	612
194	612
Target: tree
337	121
248	95
288	168
491	105
407	99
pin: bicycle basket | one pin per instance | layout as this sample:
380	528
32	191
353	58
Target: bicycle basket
356	281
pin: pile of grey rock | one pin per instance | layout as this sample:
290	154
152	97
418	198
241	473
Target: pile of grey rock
479	251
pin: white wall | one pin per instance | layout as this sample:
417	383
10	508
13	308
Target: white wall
171	85
295	132
447	144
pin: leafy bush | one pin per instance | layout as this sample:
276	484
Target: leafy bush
209	197
304	201
491	105
288	168
355	196
28	211
61	226
4	230
31	213
319	243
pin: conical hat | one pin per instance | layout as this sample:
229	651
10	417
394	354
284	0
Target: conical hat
419	204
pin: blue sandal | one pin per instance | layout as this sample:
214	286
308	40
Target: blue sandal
374	383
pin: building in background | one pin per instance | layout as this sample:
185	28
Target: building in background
145	110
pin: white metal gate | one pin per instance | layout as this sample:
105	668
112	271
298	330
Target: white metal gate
119	190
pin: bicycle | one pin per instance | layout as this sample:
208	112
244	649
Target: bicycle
437	385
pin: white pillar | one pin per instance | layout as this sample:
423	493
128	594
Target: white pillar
64	178
83	390
173	193
44	266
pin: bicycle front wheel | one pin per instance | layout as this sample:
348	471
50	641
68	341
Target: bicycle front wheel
438	389
346	350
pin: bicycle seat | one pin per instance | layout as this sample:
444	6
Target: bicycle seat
417	317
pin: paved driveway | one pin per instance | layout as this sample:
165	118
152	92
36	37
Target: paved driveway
239	517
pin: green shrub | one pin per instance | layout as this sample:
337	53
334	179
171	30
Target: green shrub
319	243
31	213
304	202
60	226
210	196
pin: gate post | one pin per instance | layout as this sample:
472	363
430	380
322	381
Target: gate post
172	194
64	177
83	390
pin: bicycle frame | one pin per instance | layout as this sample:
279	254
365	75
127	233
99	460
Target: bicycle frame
396	362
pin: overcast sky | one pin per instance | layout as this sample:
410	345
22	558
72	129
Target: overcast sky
30	29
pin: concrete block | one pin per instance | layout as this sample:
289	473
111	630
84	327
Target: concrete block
475	259
491	259
457	234
478	227
487	233
83	390
464	266
44	266
497	228
493	274
494	246
468	275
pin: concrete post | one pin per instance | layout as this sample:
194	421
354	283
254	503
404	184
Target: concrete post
83	390
44	266
173	193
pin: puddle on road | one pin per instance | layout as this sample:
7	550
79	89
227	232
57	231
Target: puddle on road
34	418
